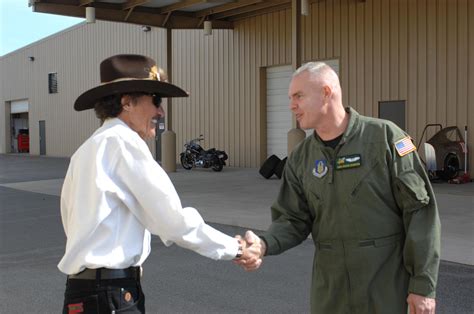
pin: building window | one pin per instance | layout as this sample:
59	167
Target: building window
53	83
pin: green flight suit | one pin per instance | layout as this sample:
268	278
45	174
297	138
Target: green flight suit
372	215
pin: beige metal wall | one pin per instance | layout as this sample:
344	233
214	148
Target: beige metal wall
418	51
222	74
75	55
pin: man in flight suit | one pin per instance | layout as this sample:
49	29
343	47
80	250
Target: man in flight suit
358	186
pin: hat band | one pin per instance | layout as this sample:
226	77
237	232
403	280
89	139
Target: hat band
129	79
153	75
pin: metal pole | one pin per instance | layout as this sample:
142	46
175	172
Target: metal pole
465	149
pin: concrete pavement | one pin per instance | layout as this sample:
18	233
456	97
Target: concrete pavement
179	281
242	197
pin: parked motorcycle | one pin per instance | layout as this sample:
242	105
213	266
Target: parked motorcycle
195	156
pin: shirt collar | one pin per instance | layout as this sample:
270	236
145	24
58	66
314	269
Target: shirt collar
113	121
352	126
350	129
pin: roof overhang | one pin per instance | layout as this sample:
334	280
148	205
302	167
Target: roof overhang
187	14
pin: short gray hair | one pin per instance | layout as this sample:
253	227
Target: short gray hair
315	68
320	70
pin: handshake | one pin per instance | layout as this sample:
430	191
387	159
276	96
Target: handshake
253	250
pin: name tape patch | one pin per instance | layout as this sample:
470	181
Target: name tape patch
349	161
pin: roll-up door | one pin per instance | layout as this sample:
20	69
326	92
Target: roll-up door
278	112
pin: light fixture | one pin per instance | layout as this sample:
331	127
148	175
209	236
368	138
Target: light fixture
90	14
146	28
207	28
31	58
304	7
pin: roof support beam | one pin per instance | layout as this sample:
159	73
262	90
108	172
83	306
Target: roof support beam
83	3
128	14
295	42
181	5
249	8
166	19
131	4
226	7
296	34
247	15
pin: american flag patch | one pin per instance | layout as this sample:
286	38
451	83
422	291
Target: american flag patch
404	146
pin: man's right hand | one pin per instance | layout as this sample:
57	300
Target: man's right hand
253	250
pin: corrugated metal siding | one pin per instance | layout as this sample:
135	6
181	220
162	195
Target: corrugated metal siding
75	54
418	51
221	74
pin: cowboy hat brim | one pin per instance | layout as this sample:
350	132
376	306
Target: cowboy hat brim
89	98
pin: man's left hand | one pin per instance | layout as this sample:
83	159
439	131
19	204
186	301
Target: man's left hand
419	304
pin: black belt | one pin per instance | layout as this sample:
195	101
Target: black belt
107	273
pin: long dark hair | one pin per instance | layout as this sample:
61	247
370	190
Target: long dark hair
111	106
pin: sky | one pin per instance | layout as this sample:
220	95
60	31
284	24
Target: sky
20	26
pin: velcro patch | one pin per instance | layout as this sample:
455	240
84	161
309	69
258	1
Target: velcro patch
404	146
75	308
346	162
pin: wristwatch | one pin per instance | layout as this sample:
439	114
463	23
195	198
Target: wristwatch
240	251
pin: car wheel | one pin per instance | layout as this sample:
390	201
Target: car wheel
279	168
268	167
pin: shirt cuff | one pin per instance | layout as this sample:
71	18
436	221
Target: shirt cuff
422	286
273	246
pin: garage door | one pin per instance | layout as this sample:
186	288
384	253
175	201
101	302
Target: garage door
278	113
19	106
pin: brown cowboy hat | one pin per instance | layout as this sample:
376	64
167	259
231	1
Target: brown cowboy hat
125	74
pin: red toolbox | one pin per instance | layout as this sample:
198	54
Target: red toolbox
23	143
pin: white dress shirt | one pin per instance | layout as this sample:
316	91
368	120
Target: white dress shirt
115	194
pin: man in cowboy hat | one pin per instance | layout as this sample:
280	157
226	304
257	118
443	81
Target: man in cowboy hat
115	194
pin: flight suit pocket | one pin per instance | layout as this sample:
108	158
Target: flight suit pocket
385	241
412	194
381	242
364	178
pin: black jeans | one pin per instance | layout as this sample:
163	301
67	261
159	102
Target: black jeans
103	296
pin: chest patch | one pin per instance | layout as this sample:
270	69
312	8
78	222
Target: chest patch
320	168
349	161
404	146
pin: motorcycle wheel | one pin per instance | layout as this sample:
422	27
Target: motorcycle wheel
217	166
186	162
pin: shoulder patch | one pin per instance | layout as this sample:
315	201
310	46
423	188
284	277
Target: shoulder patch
404	146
